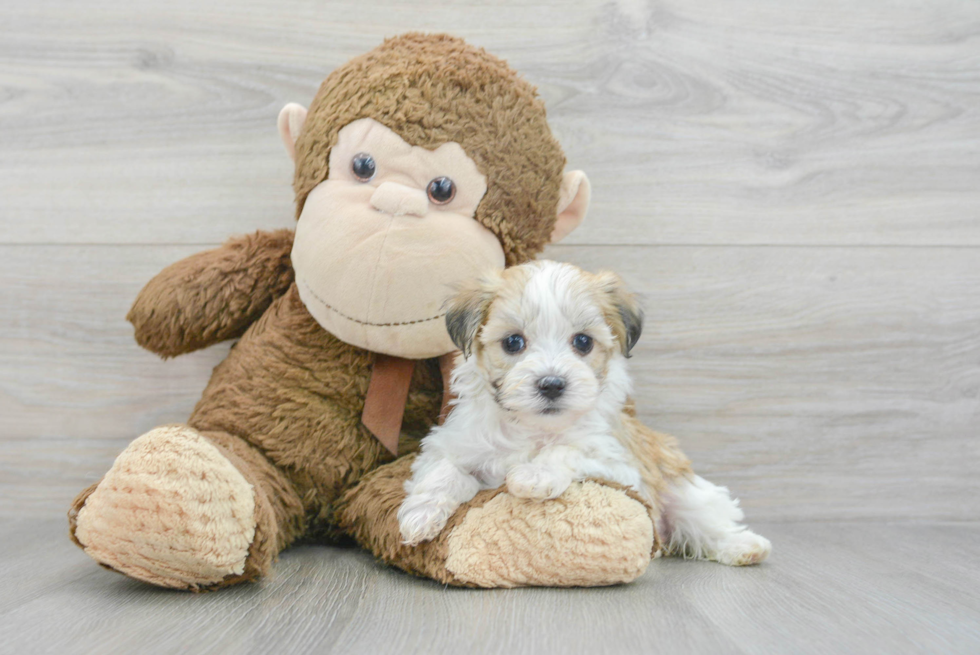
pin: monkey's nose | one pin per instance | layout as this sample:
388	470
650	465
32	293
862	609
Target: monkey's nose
399	200
551	387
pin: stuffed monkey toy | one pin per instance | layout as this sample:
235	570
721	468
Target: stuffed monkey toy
418	165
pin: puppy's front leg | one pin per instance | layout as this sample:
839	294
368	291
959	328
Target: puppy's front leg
545	477
437	488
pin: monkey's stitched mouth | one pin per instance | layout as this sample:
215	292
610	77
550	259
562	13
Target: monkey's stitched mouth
344	316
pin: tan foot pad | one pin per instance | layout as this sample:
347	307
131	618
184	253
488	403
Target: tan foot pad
592	535
171	511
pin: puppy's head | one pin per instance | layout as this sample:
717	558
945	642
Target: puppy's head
547	336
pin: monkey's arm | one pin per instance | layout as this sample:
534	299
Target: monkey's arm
213	295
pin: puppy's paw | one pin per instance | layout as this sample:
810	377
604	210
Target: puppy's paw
421	519
536	482
743	549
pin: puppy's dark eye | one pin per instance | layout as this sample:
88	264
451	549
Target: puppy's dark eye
582	343
513	344
363	166
441	190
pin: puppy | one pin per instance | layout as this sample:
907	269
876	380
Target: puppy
541	386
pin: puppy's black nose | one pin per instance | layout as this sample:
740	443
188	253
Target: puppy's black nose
551	387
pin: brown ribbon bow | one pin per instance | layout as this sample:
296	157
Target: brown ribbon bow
384	405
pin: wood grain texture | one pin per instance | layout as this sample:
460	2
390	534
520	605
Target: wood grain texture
791	187
727	121
829	588
818	383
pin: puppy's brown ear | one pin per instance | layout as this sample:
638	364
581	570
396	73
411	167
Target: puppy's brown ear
467	311
623	314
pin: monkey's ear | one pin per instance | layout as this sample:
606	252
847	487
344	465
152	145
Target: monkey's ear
573	202
290	122
623	314
467	311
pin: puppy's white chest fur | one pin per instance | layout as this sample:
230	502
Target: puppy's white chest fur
492	450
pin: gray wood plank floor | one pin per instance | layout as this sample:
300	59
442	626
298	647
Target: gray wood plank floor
793	189
829	588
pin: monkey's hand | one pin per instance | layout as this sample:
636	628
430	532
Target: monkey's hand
213	295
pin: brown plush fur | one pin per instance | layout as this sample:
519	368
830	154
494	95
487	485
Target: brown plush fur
369	514
214	295
296	393
436	89
285	406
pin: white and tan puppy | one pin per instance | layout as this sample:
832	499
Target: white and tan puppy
541	386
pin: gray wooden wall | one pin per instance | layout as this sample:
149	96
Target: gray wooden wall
794	189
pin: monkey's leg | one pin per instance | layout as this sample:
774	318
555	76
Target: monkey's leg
592	535
188	510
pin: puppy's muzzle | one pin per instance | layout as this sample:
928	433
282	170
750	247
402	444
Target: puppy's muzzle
551	387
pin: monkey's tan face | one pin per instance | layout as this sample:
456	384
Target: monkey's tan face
383	240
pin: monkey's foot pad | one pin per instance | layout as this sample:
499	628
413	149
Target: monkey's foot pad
172	511
592	535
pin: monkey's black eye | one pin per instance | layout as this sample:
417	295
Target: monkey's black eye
513	344
363	167
582	343
441	190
